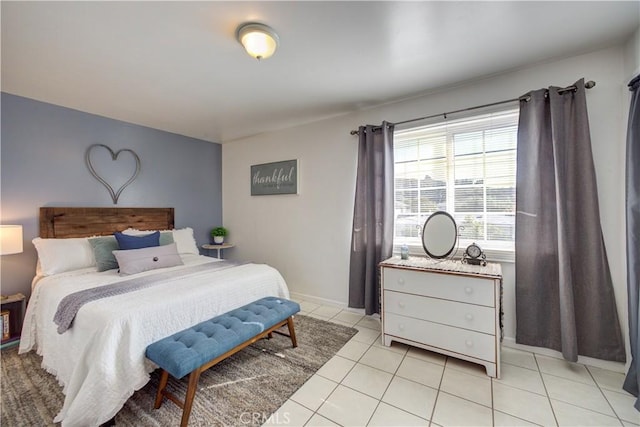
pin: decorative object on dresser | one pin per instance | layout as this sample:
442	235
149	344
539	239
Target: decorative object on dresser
474	255
274	178
439	235
114	156
444	306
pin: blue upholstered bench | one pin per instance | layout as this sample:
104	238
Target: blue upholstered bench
196	349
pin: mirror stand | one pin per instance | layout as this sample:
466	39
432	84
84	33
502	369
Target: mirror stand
440	236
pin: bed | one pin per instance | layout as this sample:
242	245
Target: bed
100	359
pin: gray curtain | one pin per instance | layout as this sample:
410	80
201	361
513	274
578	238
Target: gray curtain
564	292
632	381
372	235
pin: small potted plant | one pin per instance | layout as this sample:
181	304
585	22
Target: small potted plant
218	235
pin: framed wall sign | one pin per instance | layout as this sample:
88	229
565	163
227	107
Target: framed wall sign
274	178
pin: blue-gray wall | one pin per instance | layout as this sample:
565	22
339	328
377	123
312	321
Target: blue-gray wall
42	159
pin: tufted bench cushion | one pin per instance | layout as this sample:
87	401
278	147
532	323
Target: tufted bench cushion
199	347
184	351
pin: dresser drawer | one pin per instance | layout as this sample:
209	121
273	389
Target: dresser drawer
446	286
475	344
469	316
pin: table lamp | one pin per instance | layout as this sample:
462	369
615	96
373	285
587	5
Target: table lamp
10	241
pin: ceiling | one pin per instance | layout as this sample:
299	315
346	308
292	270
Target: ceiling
177	66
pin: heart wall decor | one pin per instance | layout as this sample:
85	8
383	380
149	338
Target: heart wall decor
114	156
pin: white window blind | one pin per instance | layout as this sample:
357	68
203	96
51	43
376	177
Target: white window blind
466	167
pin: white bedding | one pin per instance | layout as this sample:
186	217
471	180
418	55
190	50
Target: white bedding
100	361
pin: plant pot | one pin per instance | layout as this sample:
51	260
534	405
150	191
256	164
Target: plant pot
218	240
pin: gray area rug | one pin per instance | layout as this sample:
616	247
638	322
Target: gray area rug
242	390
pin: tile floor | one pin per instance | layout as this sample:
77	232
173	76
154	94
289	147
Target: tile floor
367	384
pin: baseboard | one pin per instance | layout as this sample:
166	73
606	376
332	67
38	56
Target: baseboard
324	301
598	363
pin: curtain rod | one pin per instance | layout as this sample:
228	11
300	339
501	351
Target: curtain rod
587	85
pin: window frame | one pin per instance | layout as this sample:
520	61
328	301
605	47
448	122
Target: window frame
496	251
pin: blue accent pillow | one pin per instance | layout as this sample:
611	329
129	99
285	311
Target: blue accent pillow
126	242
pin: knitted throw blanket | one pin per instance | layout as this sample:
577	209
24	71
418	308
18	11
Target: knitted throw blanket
69	306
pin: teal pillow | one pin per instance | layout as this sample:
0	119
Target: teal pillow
103	248
166	238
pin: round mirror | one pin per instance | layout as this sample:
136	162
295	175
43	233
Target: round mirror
439	235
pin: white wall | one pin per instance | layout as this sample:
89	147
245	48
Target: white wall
307	236
632	56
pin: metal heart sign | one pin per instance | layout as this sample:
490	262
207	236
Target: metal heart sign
114	156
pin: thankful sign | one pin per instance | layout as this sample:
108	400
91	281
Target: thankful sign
274	178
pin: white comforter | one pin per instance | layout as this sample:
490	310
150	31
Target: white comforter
100	361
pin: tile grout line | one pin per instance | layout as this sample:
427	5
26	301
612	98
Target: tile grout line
435	402
315	412
546	390
340	383
605	397
405	355
393	375
493	408
583	384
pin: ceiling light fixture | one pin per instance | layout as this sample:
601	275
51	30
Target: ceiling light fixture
259	40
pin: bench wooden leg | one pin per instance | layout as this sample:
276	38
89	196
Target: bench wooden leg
163	383
188	400
292	332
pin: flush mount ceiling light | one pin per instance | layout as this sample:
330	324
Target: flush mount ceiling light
259	40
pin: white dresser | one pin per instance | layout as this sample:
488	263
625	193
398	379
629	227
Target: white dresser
444	306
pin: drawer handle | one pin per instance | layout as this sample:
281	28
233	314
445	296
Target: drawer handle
469	316
468	289
401	326
469	343
401	282
401	305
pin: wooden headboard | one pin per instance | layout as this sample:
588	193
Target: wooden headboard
60	222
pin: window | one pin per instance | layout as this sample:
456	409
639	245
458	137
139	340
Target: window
466	167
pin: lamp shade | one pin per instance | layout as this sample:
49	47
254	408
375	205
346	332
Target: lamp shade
10	239
259	40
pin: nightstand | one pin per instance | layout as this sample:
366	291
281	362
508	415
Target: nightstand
13	310
218	248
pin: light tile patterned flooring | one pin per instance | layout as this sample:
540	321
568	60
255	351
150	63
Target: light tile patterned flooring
367	384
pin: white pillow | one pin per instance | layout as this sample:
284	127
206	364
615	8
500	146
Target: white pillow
183	238
60	255
134	261
185	241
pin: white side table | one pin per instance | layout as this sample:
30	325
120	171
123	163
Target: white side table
218	248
